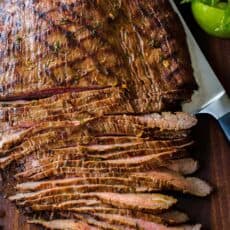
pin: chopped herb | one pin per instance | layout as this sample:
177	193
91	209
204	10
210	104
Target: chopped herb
94	32
161	58
30	64
64	21
97	25
89	17
82	121
18	38
47	63
154	43
56	46
149	105
98	159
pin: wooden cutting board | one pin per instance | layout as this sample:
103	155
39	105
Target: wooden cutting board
212	212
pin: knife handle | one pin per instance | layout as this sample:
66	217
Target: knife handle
225	125
220	109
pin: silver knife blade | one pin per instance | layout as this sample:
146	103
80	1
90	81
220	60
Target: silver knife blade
210	89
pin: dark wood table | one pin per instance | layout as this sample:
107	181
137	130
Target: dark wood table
213	152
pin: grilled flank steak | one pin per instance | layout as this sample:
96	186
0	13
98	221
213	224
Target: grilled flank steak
86	141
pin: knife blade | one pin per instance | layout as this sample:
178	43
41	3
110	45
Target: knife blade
210	98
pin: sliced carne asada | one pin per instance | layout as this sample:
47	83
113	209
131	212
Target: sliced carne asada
85	137
127	125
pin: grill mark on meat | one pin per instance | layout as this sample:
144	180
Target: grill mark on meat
156	16
167	56
53	25
91	29
100	34
136	65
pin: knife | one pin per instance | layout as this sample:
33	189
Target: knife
210	98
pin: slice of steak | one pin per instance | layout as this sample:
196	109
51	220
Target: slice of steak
165	122
76	154
63	224
92	224
146	202
100	224
167	179
118	222
154	180
94	102
155	203
125	221
72	168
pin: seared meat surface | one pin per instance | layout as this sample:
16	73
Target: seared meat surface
51	47
85	139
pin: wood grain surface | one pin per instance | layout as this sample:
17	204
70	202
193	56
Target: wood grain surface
213	151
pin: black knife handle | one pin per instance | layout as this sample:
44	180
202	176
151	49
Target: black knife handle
225	125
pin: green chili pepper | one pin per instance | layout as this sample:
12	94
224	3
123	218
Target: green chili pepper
213	16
